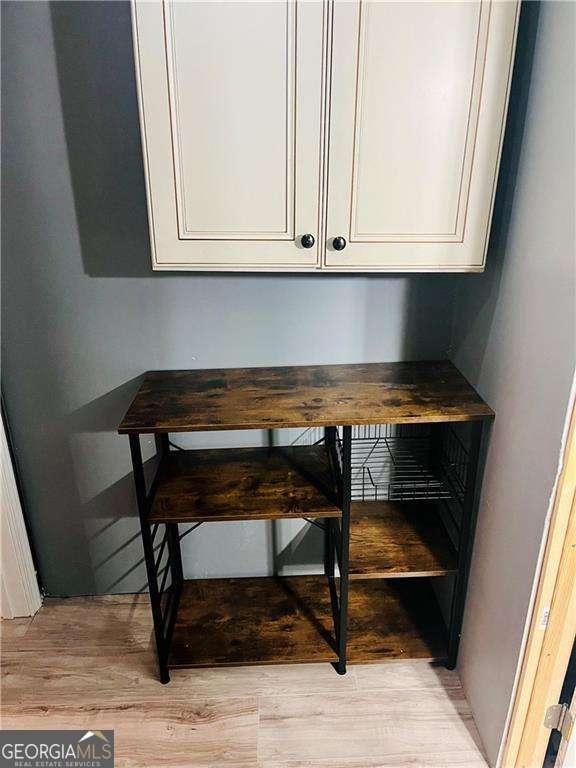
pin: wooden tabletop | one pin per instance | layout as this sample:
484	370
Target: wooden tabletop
302	396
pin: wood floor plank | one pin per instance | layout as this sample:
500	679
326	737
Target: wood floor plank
61	678
406	676
13	628
78	624
10	673
270	678
442	759
201	733
392	730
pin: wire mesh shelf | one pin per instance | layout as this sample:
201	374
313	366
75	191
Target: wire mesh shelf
402	462
407	462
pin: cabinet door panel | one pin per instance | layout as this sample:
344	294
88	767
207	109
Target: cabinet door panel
230	98
419	93
232	118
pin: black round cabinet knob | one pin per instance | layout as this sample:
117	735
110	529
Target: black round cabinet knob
307	241
339	243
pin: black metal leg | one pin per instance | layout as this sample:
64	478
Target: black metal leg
329	543
162	443
467	530
342	633
329	562
148	544
163	448
328	549
171	608
175	555
331	530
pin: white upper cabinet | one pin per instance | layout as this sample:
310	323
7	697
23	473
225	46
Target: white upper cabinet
369	132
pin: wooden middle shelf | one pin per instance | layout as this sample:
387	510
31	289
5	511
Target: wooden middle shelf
244	484
227	622
399	539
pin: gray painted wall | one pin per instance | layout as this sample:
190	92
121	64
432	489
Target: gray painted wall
515	340
83	315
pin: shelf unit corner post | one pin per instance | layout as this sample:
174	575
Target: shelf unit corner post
162	440
329	535
344	548
469	516
174	549
148	545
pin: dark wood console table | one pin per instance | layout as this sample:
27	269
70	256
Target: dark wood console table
387	468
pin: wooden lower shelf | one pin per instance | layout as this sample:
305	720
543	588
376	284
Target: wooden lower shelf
230	622
399	539
253	621
244	484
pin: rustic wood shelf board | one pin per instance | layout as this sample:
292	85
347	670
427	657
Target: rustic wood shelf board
394	619
231	622
224	622
303	396
245	484
398	539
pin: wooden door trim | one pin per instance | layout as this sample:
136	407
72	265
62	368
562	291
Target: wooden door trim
20	595
549	641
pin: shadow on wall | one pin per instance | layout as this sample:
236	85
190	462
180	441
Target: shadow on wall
481	302
107	538
85	524
98	92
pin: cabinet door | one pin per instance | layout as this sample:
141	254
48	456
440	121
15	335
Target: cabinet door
418	102
230	99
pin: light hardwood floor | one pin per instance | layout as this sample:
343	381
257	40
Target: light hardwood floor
88	663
